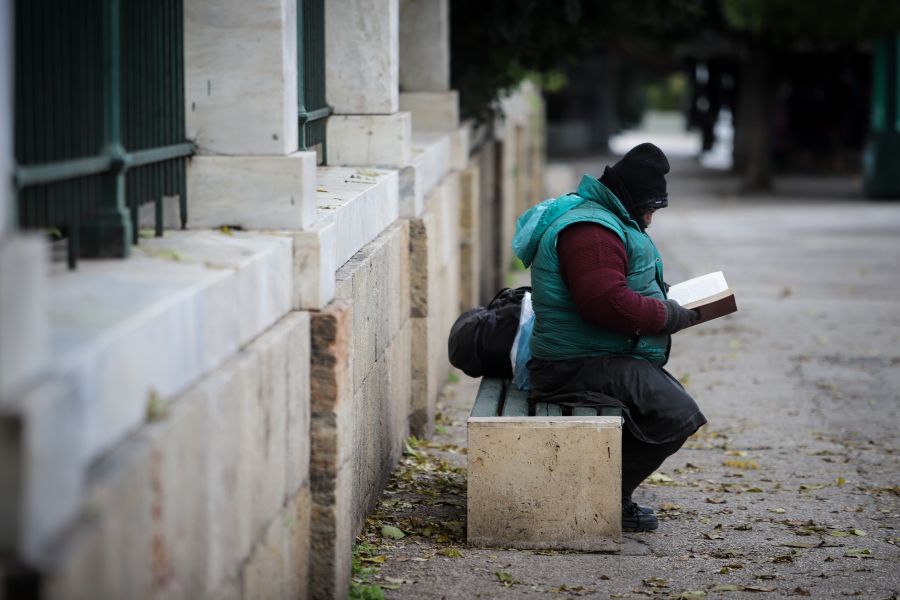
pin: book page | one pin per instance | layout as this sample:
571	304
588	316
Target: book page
698	288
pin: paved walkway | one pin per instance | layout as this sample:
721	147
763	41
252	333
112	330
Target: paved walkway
790	490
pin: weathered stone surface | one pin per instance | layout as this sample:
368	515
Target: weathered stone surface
278	565
425	46
362	56
359	409
376	281
490	271
430	163
298	410
241	76
470	241
269	428
434	291
545	482
41	467
314	265
432	111
370	140
381	406
331	380
24	345
253	192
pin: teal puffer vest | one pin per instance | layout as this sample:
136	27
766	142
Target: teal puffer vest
559	332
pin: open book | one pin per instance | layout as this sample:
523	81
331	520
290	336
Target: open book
709	294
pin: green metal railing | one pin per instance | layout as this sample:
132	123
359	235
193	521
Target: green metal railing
99	114
313	108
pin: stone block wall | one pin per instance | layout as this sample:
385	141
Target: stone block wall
253	481
435	258
360	399
212	498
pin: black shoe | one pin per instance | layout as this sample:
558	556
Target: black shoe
638	518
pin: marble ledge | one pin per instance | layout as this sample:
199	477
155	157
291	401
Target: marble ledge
155	323
432	154
127	335
354	205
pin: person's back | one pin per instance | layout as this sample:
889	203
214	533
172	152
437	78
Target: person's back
602	321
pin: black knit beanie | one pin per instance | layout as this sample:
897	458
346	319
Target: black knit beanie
639	180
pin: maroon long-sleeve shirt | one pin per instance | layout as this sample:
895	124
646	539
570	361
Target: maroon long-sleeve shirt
593	264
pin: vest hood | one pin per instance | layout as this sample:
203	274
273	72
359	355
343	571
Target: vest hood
535	221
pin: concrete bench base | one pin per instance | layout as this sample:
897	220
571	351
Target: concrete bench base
542	482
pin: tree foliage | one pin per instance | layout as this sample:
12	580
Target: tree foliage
781	22
495	45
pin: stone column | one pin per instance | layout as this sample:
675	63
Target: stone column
23	258
425	65
362	84
425	46
242	113
24	343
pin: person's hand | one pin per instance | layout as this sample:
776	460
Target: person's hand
678	317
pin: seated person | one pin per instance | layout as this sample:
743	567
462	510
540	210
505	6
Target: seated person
602	321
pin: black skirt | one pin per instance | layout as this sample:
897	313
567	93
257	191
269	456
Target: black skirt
656	407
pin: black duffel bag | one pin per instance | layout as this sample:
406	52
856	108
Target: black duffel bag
482	337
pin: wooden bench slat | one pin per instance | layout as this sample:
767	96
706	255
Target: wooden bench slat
545	409
487	402
516	403
584	411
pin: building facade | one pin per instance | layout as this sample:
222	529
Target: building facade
274	215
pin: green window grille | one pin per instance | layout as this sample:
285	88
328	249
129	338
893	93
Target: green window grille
313	109
99	118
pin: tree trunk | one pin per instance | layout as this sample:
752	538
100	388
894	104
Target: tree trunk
753	126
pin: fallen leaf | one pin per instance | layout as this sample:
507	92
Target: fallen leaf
712	536
450	552
858	552
506	579
716	500
373	559
389	531
779	511
840	481
659	478
741	464
802	544
860	532
656	582
758	588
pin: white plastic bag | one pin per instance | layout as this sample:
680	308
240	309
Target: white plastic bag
520	353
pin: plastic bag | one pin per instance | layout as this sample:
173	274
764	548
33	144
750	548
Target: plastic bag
520	352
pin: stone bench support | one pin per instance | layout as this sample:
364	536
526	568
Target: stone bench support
542	482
